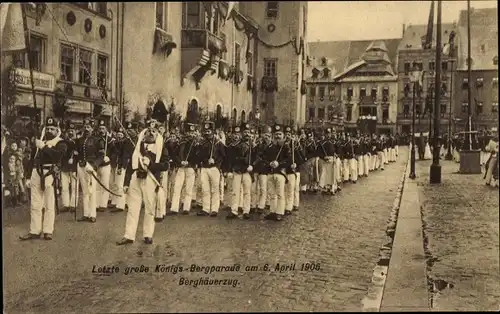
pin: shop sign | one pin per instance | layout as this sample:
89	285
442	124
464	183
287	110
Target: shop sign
79	106
43	81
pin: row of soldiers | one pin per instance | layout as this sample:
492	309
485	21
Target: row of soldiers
148	169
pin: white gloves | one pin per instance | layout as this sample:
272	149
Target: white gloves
28	184
211	161
119	171
125	189
184	163
39	144
274	164
230	175
70	161
75	153
106	159
89	168
250	168
145	161
329	159
293	166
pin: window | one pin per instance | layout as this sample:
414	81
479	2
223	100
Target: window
321	91
237	56
85	72
348	113
407	68
331	91
464	107
465	83
444	65
479	107
311	113
374	93
102	70
442	110
494	107
67	63
192	14
223	53
250	63
321	113
272	9
432	66
160	15
349	92
406	110
362	92
444	89
215	20
406	89
385	115
38	54
102	8
270	68
385	91
418	109
312	91
419	65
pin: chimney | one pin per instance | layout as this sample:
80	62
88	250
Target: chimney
404	26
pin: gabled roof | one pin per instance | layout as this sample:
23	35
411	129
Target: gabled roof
413	34
377	45
335	51
484	39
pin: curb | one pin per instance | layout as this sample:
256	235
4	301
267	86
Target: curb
373	300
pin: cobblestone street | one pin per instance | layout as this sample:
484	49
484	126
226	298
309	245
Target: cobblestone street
342	234
461	221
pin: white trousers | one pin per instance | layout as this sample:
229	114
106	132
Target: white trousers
171	183
392	154
241	192
42	199
327	175
361	165
141	190
210	189
116	186
262	191
397	150
103	173
184	177
222	182
89	188
366	164
290	191
338	170
163	194
254	191
385	158
353	169
380	160
345	168
276	186
69	189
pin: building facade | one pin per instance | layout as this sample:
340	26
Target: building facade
73	59
410	53
484	66
213	57
361	81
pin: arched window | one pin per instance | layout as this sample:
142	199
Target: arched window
243	116
193	109
234	116
218	112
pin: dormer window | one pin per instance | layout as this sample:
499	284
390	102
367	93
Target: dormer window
324	61
315	73
465	83
479	82
326	72
272	9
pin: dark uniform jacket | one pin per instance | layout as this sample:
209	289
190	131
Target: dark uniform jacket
187	152
296	156
156	168
90	150
276	152
262	165
69	154
213	148
172	148
349	149
326	148
243	154
47	158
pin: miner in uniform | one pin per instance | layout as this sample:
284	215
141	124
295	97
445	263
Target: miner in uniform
310	171
279	159
211	153
69	179
118	167
172	148
50	150
227	165
90	156
326	153
380	153
263	168
104	169
186	175
126	157
292	188
142	182
353	161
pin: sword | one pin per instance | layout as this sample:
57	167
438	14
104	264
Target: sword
102	185
54	185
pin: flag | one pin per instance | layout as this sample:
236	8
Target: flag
12	30
448	47
427	44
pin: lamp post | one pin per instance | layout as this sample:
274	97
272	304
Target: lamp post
449	155
415	78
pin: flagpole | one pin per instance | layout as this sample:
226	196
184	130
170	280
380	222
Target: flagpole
435	169
469	75
29	55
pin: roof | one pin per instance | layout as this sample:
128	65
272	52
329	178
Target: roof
484	39
347	55
413	35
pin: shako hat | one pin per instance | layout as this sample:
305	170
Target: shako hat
189	127
51	122
208	126
277	128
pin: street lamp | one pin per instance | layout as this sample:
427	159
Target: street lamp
414	78
449	155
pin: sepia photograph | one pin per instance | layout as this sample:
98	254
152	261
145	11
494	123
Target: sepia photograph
250	156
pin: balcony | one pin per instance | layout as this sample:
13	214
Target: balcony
202	39
366	101
269	84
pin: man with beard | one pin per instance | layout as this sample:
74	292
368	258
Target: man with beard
118	167
69	179
279	158
172	145
292	188
90	156
104	169
211	154
127	151
326	153
149	159
50	149
262	168
244	156
186	159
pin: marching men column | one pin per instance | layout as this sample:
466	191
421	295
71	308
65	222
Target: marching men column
69	179
50	150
